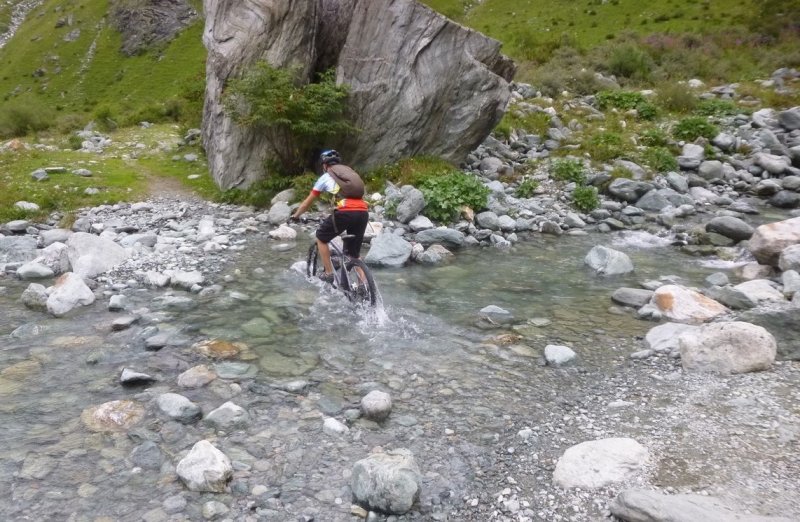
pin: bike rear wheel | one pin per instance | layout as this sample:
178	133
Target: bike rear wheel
363	291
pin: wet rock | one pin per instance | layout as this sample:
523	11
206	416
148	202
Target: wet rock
387	482
214	509
54	257
118	415
185	280
147	456
68	292
791	283
444	236
760	291
785	199
91	255
283	233
389	250
227	417
681	304
731	227
790	258
495	314
15	249
730	297
36	467
196	377
220	349
411	204
735	347
178	407
632	297
753	271
629	190
332	426
279	213
205	468
558	356
257	327
124	322
420	223
636	505
35	297
235	370
608	262
376	405
156	279
551	228
434	255
117	303
488	220
599	463
132	377
33	270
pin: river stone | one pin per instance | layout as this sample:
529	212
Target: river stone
389	250
156	279
279	213
178	407
771	239
791	283
196	377
653	201
735	347
731	227
332	426
283	233
558	356
118	415
183	279
55	235
91	255
387	482
278	364
205	468
214	509
219	349
552	228
227	417
632	297
711	169
55	257
664	337
638	505
791	183
628	189
147	455
446	236
608	262
420	223
411	204
678	182
376	405
35	297
599	463
766	188
257	327
750	271
488	220
729	296
434	255
760	291
131	377
147	239
68	292
235	370
772	163
33	270
785	199
681	304
37	467
17	249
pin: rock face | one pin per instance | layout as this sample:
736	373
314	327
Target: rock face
143	24
735	347
638	505
400	59
387	482
769	240
685	305
597	463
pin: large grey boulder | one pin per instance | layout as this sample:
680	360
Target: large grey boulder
411	204
664	337
632	297
68	292
608	262
638	505
628	189
56	257
388	250
685	305
91	255
444	236
731	227
598	463
205	468
760	291
790	258
387	482
735	347
790	119
17	249
769	240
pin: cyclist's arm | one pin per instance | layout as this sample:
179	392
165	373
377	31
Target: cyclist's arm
305	204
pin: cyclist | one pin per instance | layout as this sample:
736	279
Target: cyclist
351	213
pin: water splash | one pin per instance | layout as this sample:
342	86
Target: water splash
640	239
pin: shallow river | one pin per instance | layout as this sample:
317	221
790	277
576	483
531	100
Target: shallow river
460	389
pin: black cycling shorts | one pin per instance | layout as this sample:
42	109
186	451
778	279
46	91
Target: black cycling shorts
353	222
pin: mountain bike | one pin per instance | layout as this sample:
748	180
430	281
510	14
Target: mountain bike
351	276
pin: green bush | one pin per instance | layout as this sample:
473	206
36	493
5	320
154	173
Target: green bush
625	100
297	117
654	137
19	119
585	199
527	187
689	129
604	146
533	123
445	195
660	159
715	107
408	171
676	97
568	170
75	142
630	61
647	111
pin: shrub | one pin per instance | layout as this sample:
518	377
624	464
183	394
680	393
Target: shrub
568	170
676	97
689	129
604	146
654	137
297	117
445	195
585	199
715	107
660	159
527	187
19	119
408	171
630	61
75	142
624	100
105	118
534	123
646	111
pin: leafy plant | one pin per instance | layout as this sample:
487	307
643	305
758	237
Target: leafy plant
715	107
676	97
568	170
625	100
19	119
297	117
689	129
660	159
605	146
630	61
527	187
654	137
585	199
535	123
445	195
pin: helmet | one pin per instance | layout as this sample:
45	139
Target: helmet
331	157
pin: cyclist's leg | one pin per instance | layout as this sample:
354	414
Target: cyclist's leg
355	225
325	233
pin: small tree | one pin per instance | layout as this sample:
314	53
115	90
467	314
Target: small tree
297	117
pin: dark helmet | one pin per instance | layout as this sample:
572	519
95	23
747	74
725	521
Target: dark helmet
331	157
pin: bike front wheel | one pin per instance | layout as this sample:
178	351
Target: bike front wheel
362	285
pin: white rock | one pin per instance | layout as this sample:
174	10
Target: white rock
68	292
760	291
283	232
556	355
205	468
376	405
734	347
664	337
332	426
608	262
598	463
91	255
682	304
27	206
34	270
